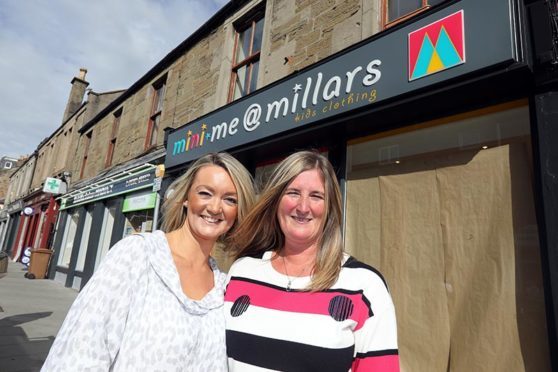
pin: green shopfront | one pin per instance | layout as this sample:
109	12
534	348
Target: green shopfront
439	132
94	217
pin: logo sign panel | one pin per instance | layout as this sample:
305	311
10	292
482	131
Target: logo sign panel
437	46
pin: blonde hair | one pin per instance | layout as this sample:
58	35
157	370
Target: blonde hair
174	212
260	230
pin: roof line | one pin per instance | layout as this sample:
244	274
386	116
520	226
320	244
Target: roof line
191	40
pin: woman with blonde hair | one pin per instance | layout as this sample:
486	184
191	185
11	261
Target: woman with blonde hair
295	301
156	301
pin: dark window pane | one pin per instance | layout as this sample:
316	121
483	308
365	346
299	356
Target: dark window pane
435	2
243	49
258	36
239	84
398	8
254	78
154	130
159	94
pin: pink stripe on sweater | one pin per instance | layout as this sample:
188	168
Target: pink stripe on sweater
297	302
383	363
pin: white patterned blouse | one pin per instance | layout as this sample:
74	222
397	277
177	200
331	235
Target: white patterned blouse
133	316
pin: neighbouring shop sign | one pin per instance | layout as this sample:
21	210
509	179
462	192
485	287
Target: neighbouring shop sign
140	201
461	38
54	186
90	194
15	206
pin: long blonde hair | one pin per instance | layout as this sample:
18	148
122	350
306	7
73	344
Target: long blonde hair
260	230
174	212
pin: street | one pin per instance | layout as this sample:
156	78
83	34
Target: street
31	312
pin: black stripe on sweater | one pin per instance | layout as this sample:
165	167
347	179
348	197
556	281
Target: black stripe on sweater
286	355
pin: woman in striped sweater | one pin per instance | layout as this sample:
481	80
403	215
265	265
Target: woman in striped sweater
295	301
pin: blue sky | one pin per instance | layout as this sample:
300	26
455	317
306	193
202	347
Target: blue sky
44	43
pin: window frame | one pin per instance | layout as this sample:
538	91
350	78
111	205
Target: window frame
157	100
88	137
249	22
113	136
387	23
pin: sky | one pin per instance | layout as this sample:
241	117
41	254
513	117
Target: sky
44	43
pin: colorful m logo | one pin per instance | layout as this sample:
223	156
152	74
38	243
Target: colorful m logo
437	46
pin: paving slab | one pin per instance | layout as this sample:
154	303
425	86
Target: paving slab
31	313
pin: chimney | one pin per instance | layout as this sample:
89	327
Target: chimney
76	94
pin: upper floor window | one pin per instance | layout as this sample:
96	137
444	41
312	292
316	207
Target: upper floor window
86	144
400	9
112	140
153	126
246	58
8	165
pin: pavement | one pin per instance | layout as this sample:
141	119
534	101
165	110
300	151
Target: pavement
31	312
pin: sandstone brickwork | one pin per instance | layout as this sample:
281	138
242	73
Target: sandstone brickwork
297	33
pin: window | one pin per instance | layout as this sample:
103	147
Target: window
84	240
87	142
246	57
68	239
8	165
156	110
395	10
112	141
446	205
106	231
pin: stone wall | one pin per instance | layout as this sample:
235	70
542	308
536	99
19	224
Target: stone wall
297	33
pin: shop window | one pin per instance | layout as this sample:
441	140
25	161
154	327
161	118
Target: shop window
112	140
86	144
446	212
68	239
84	240
138	211
153	126
138	222
246	57
397	10
106	232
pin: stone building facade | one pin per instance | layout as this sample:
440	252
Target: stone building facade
445	166
296	34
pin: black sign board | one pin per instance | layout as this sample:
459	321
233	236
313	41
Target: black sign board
461	38
135	182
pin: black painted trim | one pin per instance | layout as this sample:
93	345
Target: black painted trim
544	136
93	243
58	237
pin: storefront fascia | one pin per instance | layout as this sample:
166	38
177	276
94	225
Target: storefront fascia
95	217
385	84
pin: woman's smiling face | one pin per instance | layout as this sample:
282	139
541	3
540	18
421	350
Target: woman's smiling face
302	209
212	203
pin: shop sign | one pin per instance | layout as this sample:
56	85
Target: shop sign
157	184
27	211
139	202
15	206
391	64
129	184
54	186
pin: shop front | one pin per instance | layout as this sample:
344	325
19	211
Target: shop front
94	217
36	223
13	227
434	129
